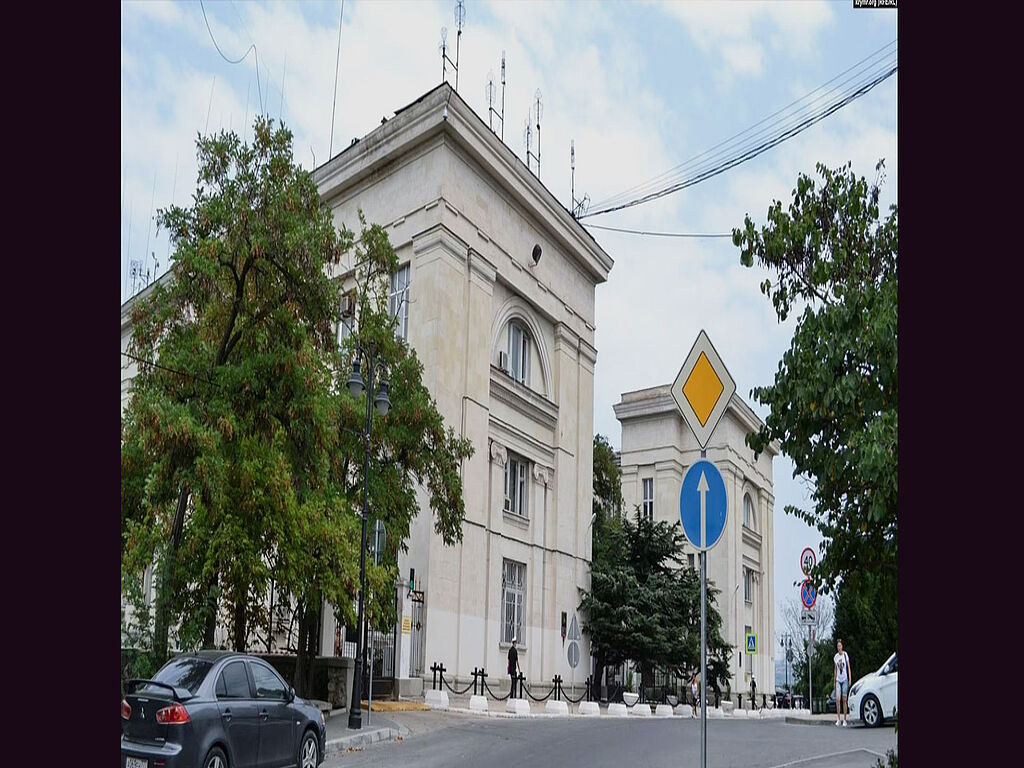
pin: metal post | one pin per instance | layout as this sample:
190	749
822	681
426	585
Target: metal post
810	681
703	659
355	717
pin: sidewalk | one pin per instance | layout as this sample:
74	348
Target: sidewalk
377	726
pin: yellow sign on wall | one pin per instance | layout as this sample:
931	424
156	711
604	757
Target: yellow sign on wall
406	625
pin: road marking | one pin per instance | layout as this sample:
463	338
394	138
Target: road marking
831	754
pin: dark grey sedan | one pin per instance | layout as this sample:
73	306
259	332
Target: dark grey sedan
216	709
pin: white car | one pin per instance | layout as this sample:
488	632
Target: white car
873	697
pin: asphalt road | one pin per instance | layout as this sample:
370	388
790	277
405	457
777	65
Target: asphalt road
439	740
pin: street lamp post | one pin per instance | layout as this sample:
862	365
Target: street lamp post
383	405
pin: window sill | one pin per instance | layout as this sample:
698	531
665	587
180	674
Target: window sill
517	520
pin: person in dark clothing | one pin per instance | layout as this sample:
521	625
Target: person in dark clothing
513	665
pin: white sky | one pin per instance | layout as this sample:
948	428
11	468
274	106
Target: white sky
639	86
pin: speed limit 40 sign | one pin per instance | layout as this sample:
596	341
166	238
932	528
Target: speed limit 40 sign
808	560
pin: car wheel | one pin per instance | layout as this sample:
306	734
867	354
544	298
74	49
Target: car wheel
309	752
871	711
215	758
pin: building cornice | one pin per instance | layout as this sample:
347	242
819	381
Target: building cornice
523	399
443	112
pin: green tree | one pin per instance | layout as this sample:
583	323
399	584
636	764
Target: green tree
241	457
822	667
833	404
644	606
866	619
226	437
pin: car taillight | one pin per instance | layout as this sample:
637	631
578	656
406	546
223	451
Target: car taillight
126	710
176	713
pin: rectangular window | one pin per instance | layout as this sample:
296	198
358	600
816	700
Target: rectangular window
517	486
689	559
748	585
649	498
518	353
398	301
513	587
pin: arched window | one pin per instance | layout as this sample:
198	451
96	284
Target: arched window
749	515
519	353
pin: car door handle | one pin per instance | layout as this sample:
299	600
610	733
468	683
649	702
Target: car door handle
226	714
263	714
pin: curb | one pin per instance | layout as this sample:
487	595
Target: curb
343	743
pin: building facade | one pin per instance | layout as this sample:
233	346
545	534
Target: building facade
657	449
495	292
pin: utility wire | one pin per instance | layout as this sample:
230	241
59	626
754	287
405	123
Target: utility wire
662	178
655	234
749	154
235	61
789	127
172	370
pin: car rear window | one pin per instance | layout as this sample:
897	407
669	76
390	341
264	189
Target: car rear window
186	672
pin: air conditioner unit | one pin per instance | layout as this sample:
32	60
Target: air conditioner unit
503	361
348	304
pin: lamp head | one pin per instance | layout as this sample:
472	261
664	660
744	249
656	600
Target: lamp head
355	381
381	402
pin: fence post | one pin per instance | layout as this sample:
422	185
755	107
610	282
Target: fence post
557	682
520	677
741	701
433	679
764	701
588	687
483	677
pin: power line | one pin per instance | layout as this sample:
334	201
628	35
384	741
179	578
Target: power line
782	129
236	61
636	190
172	370
749	154
656	234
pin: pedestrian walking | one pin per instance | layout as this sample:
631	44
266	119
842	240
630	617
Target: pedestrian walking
842	674
513	667
694	693
753	692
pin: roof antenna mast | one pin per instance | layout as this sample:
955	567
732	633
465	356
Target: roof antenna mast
491	111
579	207
460	21
537	108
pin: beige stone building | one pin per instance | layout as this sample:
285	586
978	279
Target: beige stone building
657	449
495	291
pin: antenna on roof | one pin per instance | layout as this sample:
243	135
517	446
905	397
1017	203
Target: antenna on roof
537	108
490	99
136	275
460	21
527	134
578	206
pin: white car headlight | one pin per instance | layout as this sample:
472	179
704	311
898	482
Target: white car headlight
856	687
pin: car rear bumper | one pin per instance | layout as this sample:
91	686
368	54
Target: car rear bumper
157	755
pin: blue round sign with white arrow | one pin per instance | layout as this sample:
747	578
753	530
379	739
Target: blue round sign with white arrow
703	506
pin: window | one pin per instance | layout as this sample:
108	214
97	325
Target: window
649	498
233	683
344	329
689	559
398	301
517	486
748	585
519	353
513	587
268	684
748	511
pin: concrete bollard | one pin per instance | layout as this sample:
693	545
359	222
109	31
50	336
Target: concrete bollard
556	707
436	699
477	703
518	706
641	709
685	710
590	709
617	710
663	710
715	712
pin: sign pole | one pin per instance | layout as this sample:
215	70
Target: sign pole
703	661
810	681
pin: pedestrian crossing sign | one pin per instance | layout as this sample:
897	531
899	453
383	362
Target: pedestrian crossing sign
751	643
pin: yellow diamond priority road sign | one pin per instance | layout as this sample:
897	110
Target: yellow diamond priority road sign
702	389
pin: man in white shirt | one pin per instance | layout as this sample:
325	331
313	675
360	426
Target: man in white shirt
842	674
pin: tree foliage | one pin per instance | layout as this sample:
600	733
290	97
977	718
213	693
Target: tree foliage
644	606
242	455
866	619
833	404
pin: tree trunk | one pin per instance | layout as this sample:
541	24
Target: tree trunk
240	628
301	660
599	666
211	618
309	645
163	598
